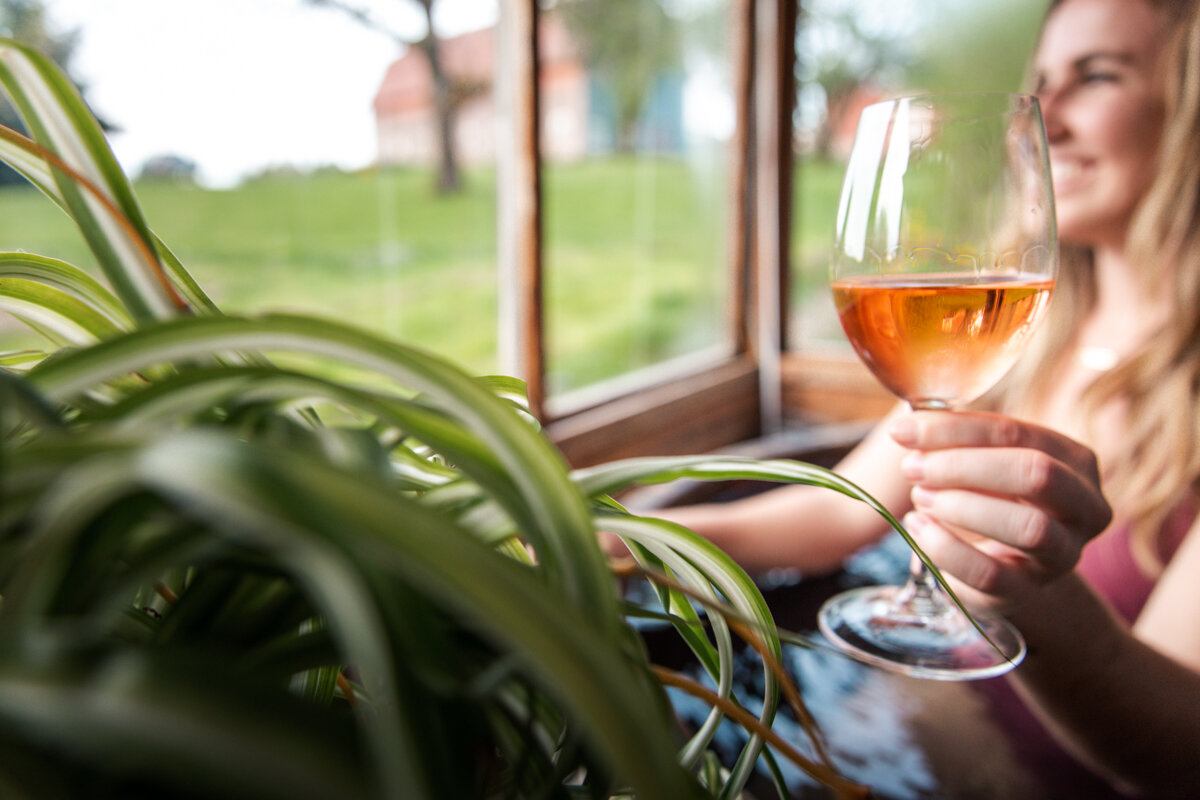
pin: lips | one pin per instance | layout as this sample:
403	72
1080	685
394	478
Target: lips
1067	173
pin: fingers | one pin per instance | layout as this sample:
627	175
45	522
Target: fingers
1044	546
991	579
927	431
1002	456
1028	476
612	545
1001	505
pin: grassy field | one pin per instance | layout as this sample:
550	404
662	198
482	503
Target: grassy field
635	255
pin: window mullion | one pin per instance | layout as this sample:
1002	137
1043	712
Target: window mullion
741	220
774	29
521	332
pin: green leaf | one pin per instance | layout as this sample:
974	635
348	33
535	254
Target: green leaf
63	318
30	406
533	487
20	153
104	207
66	278
162	717
701	565
607	478
573	659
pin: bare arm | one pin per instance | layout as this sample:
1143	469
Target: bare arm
804	527
1114	696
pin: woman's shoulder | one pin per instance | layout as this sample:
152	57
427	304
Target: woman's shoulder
1170	620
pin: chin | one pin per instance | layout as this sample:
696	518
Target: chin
1093	231
1074	238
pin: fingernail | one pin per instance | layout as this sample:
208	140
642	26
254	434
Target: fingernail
913	522
903	430
922	497
912	466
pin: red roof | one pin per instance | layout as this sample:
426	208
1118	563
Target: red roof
469	57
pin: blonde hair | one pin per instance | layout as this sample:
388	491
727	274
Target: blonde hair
1158	464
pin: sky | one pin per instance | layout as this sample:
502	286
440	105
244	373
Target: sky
238	85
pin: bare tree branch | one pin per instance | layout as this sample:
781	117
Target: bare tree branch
444	93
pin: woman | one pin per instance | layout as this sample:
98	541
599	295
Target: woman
1004	500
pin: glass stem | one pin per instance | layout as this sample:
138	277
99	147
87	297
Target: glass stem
921	596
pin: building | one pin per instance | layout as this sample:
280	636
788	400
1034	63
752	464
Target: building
578	116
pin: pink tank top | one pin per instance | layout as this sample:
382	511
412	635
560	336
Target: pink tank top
1108	566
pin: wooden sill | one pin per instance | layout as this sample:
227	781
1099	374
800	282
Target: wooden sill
719	407
824	445
697	414
827	388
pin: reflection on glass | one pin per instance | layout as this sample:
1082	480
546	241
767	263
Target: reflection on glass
637	116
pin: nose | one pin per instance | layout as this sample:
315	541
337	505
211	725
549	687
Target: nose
1052	115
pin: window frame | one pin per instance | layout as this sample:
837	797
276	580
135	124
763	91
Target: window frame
757	390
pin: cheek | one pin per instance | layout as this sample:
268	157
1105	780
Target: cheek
1133	141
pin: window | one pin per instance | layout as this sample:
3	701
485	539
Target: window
646	186
637	118
642	233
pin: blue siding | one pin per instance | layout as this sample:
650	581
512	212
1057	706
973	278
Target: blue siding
659	128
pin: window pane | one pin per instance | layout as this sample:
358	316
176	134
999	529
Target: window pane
290	158
637	120
853	52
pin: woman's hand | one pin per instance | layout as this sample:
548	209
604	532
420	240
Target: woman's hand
1001	505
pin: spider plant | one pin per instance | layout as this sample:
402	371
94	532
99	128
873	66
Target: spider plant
224	573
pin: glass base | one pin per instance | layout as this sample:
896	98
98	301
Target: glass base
880	626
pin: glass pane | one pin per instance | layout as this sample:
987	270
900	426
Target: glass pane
637	121
285	150
853	52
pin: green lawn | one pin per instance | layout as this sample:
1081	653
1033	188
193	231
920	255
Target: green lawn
635	255
817	186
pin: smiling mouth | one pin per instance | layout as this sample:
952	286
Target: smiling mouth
1066	173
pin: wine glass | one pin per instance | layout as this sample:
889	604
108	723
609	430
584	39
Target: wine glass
945	258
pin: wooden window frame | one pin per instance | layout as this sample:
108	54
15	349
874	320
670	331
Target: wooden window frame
759	389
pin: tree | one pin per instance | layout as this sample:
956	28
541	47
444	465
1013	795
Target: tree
984	47
928	45
26	21
840	47
446	94
626	44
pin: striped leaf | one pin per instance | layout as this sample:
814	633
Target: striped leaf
89	180
60	317
611	477
331	531
66	278
533	488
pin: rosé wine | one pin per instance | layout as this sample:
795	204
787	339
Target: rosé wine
940	340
